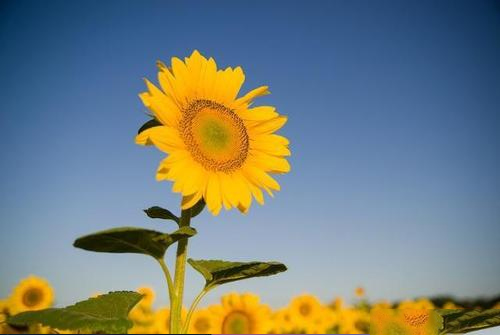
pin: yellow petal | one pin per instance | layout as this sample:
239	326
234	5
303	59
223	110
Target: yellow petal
163	108
250	96
190	200
166	139
269	146
260	113
208	79
268	127
212	194
269	163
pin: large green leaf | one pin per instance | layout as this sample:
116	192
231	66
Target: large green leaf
132	240
217	272
106	313
156	212
462	321
149	124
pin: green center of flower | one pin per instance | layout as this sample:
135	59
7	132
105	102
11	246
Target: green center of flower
32	297
215	136
237	322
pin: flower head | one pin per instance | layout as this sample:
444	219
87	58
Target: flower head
32	293
220	148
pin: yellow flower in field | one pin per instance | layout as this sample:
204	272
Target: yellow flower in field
162	320
242	314
360	292
282	322
305	310
405	322
219	148
148	296
337	304
354	321
32	293
203	321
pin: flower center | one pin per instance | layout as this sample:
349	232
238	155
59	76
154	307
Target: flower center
416	318
215	136
305	309
237	322
202	325
32	297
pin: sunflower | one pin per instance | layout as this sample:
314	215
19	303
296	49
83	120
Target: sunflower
32	293
219	147
203	321
354	321
241	314
305	310
282	322
359	292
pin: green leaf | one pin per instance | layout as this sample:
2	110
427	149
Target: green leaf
106	313
132	240
198	208
217	272
462	321
156	212
150	124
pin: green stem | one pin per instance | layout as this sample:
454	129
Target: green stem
195	303
170	284
180	269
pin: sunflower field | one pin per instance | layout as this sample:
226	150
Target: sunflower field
237	313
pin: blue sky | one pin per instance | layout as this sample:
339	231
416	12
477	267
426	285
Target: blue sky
394	127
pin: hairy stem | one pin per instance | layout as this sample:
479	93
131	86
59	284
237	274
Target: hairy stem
180	269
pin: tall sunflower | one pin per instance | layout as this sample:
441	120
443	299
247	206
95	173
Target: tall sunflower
220	148
32	293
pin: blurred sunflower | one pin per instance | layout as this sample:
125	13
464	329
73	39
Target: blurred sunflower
354	321
359	292
282	322
242	314
218	147
304	311
203	322
32	293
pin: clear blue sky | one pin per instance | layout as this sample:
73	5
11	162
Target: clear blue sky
393	118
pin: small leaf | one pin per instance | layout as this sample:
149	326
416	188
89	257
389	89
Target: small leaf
217	272
106	313
461	321
198	208
150	124
156	212
132	240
